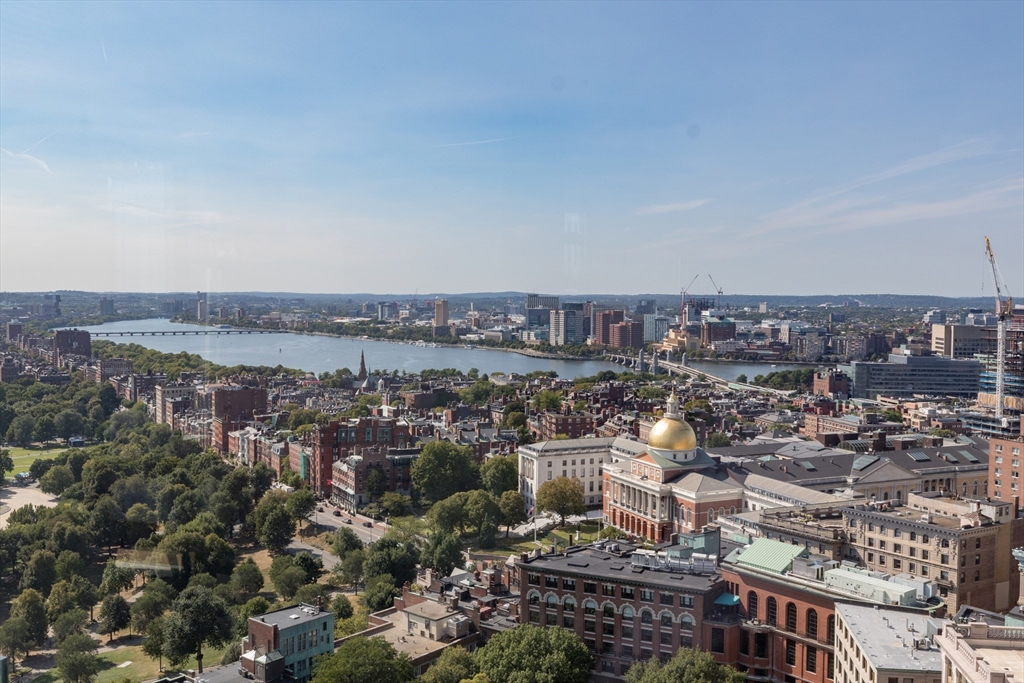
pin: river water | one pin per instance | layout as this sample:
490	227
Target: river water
327	354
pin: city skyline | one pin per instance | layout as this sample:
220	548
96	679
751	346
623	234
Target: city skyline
458	148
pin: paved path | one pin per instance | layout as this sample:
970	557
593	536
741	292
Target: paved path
13	497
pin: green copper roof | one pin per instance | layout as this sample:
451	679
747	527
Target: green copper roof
771	556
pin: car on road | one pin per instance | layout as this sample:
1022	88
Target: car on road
369	525
347	520
336	513
320	508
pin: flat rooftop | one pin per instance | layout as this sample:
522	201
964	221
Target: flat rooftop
291	616
887	637
406	643
597	564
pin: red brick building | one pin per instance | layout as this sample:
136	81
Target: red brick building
338	439
1005	473
349	474
602	326
550	424
628	334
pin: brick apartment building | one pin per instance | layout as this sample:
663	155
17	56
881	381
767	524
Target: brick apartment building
603	323
617	602
548	425
335	441
77	342
348	483
628	334
1006	475
103	370
231	406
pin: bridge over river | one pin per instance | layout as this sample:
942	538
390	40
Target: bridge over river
642	364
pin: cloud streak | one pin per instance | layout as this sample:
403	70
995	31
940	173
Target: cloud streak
671	208
23	155
475	142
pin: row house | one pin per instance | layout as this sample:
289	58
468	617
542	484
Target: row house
349	475
336	440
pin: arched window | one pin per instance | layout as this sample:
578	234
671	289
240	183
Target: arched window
534	598
984	486
552	602
686	622
975	489
721	512
773	612
831	628
732	509
945	543
628	613
608	609
646	616
711	516
791	617
899	495
812	623
590	607
569	605
666	620
965	488
885	495
752	605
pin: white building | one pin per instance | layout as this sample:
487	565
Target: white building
885	646
574	458
655	327
977	652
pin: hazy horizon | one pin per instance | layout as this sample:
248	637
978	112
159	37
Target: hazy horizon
782	147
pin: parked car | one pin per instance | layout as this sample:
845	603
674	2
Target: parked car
336	513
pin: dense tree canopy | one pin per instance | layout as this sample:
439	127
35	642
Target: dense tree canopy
443	469
530	654
562	496
687	666
363	660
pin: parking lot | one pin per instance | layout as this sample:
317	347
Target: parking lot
13	497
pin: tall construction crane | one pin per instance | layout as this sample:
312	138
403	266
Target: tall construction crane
682	298
718	289
1004	310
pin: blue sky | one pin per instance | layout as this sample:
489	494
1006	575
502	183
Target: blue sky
784	148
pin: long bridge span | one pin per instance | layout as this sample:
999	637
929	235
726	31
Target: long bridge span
642	364
174	333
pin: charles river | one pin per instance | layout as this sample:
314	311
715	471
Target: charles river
327	354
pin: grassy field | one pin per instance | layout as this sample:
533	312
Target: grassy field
24	457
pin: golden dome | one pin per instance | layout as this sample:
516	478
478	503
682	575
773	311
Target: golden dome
672	434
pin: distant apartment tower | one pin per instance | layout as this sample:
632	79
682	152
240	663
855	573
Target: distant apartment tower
567	328
172	307
655	327
934	317
440	312
76	342
762	307
962	341
645	307
603	323
541	301
628	334
107	368
202	306
106	306
850	347
14	330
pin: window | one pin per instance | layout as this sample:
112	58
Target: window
666	620
761	645
790	652
812	623
589	607
534	598
533	579
744	642
667	599
569	605
791	617
609	610
646	616
718	640
772	616
627	613
627	651
646	635
897	547
686	601
569	584
627	632
608	589
608	628
569	622
686	622
831	629
627	592
812	659
646	595
666	637
551	581
590	588
551	602
551	618
589	625
534	616
752	605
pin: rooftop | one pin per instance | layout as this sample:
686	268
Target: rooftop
591	562
404	642
888	637
292	616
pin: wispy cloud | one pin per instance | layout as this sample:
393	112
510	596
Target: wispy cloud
474	142
23	155
671	208
842	208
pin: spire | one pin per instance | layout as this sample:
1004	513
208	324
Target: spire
362	366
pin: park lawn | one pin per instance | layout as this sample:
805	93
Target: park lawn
24	457
588	534
142	668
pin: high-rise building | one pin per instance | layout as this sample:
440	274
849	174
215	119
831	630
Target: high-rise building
1005	473
541	301
628	334
645	307
75	342
440	312
655	327
962	341
14	330
934	317
602	325
566	327
106	306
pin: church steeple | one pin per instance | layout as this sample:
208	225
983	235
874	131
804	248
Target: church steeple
362	367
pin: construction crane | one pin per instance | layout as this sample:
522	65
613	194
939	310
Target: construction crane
717	289
682	298
1004	310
